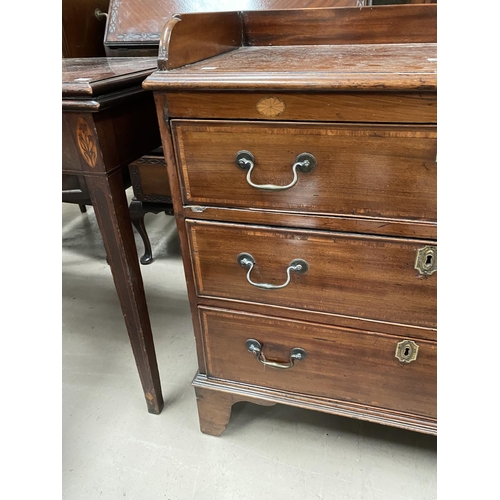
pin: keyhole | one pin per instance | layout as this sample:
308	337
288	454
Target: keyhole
406	351
428	261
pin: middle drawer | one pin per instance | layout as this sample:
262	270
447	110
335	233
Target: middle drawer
358	276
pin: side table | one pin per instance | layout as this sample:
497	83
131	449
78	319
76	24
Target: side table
108	121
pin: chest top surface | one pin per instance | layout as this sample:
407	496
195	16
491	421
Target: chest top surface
317	67
385	48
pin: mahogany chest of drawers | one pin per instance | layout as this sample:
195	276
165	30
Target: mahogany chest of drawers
302	164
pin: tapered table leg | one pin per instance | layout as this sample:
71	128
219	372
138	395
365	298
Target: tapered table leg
112	213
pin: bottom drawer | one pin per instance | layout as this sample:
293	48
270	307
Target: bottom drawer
342	364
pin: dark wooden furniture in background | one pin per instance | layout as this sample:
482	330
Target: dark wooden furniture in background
82	32
108	122
134	28
301	153
82	36
151	194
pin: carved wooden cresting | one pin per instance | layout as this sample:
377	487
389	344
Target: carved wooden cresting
301	153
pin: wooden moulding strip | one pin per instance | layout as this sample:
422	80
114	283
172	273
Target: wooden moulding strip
425	425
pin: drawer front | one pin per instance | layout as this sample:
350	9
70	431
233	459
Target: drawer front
349	365
372	107
361	170
352	275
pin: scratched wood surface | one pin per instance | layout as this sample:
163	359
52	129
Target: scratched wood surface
99	75
318	67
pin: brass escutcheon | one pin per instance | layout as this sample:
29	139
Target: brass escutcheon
406	351
426	261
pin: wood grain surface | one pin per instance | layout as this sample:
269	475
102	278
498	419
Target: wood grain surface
220	395
98	146
377	171
100	75
328	222
140	22
350	365
353	275
357	89
190	38
366	107
398	67
82	32
379	25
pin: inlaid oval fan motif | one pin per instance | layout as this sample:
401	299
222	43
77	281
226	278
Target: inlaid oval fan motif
271	106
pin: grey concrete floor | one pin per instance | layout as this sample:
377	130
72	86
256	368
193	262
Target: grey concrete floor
114	449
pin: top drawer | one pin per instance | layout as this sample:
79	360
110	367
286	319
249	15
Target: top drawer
382	171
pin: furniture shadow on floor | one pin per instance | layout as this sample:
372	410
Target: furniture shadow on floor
244	414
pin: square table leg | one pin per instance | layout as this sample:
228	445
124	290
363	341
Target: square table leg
113	217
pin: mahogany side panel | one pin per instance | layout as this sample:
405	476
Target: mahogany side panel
350	25
81	151
173	179
128	130
75	189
